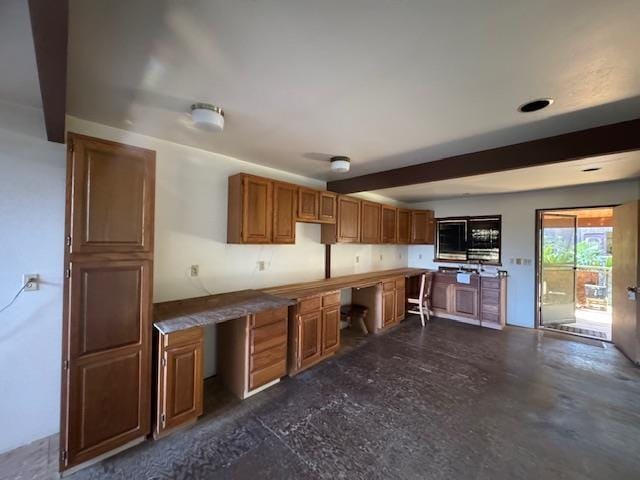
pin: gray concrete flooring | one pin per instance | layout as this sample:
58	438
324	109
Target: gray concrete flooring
449	401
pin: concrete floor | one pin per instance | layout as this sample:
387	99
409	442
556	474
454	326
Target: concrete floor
450	401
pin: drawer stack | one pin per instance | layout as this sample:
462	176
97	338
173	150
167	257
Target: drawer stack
267	347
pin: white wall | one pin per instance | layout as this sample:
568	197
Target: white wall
191	228
32	197
518	231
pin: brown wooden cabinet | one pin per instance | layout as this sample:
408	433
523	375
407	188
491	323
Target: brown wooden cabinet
348	222
328	207
284	211
482	301
315	327
308	204
250	215
108	287
371	222
252	351
179	400
404	226
388	308
389	224
422	227
401	299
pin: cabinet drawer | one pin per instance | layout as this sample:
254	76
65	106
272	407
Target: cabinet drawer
191	335
331	299
490	317
493	309
268	336
490	297
266	358
261	319
400	282
490	283
309	305
387	286
268	374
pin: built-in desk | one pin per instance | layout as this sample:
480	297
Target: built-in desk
262	336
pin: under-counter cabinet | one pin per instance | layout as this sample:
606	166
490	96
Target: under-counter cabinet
314	330
386	302
179	396
252	351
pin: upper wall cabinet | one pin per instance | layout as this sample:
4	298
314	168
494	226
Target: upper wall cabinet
348	222
371	222
284	212
422	227
250	213
316	206
404	226
308	204
328	209
389	224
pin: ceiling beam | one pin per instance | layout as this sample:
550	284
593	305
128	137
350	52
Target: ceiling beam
50	26
604	140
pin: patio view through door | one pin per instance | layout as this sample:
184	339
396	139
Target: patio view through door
574	271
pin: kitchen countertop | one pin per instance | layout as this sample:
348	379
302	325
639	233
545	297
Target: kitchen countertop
196	312
360	280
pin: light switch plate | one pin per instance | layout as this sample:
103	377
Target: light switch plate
194	270
261	265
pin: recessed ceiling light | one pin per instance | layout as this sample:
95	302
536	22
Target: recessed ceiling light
535	105
340	164
207	117
592	169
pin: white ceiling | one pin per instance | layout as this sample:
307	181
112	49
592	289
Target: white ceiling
19	75
387	82
612	167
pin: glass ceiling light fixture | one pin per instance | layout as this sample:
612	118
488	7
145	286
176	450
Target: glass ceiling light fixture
207	117
340	164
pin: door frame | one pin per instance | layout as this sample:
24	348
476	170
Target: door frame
538	248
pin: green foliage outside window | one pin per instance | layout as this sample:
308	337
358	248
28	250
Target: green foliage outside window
559	251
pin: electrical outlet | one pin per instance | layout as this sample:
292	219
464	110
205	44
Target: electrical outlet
262	265
380	257
194	270
31	282
400	256
357	259
419	256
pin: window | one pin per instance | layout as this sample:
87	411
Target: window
469	239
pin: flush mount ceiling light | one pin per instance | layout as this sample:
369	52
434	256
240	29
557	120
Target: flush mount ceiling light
207	117
535	105
592	169
340	164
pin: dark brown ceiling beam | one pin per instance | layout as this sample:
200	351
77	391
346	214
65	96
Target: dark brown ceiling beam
50	26
604	140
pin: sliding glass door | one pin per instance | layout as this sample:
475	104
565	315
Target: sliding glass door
557	269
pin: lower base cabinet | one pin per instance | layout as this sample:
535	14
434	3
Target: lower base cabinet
179	400
386	303
252	351
315	330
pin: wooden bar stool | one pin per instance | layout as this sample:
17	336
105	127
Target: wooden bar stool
349	313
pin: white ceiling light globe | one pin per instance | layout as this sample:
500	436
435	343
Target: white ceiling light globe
207	117
340	164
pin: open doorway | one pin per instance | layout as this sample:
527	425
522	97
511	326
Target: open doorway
573	270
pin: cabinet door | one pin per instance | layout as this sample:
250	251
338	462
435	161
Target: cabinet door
348	220
330	329
388	308
404	226
308	203
389	224
465	301
419	223
284	213
257	218
180	386
401	300
370	232
309	338
440	296
107	384
328	207
431	228
113	196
